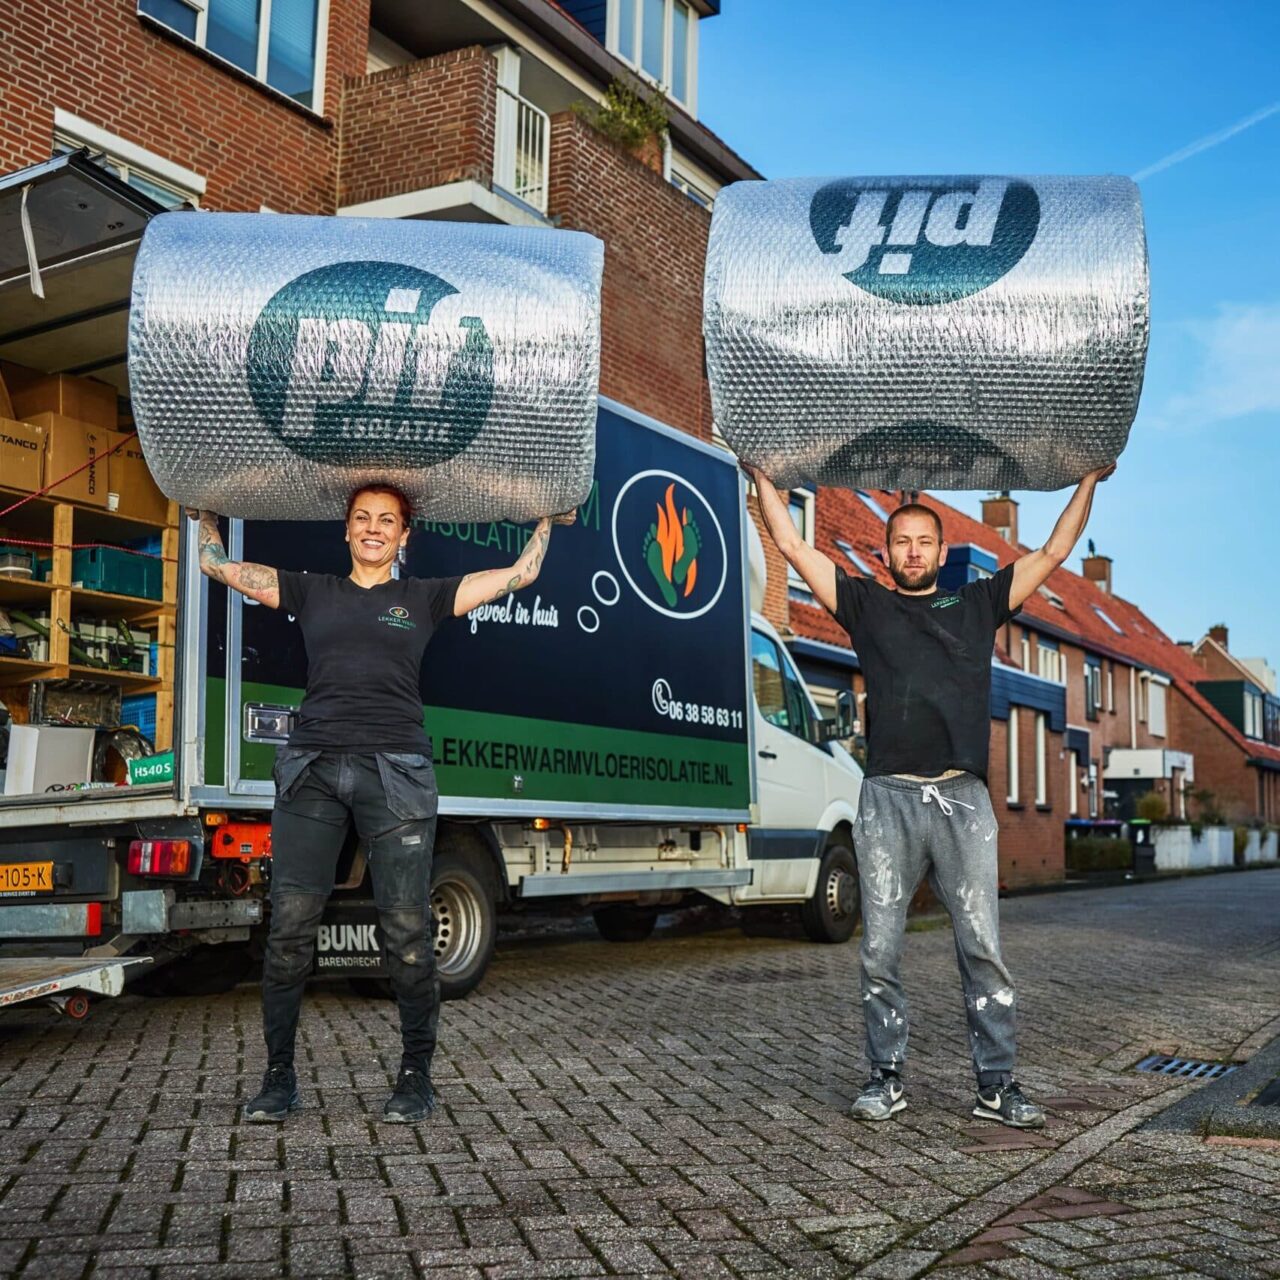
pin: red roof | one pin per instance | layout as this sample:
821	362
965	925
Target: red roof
842	514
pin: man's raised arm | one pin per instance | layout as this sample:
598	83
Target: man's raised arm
1032	571
815	568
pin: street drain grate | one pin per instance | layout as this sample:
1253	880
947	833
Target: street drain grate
1185	1068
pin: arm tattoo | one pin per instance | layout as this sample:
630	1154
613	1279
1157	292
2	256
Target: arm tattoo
215	562
258	577
213	556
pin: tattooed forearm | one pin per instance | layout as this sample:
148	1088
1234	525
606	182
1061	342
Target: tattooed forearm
257	577
496	583
213	555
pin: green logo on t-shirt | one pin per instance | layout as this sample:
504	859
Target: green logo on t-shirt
398	616
944	602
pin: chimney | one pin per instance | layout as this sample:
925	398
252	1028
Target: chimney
1218	634
1000	512
1097	569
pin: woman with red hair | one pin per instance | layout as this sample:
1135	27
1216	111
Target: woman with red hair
359	755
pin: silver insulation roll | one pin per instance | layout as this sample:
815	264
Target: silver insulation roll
927	333
278	362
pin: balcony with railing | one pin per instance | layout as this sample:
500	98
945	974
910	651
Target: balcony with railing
443	137
522	149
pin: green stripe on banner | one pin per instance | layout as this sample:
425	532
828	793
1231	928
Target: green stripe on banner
477	755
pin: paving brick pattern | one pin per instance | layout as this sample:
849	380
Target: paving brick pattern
677	1107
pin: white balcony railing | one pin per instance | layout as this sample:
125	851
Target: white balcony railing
522	149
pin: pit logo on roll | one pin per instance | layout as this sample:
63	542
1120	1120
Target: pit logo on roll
925	245
346	366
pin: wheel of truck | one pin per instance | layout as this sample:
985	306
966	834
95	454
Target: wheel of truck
623	922
464	907
464	903
831	915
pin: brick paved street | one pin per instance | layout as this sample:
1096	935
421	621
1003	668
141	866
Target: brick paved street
672	1107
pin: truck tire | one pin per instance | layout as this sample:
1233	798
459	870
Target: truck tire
465	920
464	903
622	922
831	915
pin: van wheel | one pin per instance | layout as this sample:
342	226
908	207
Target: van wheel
831	915
464	904
623	922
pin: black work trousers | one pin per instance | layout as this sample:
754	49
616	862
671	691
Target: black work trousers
392	801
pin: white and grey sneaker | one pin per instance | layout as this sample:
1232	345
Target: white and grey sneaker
1007	1104
881	1097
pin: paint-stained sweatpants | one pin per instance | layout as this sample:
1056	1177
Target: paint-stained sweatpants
906	830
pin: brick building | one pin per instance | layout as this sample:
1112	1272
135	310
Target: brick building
453	109
464	110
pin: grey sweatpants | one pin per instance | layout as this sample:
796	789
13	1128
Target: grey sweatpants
903	833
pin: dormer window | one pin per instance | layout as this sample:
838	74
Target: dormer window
660	39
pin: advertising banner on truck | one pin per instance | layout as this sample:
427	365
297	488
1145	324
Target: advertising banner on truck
617	681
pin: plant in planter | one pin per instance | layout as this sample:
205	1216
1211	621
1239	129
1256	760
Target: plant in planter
631	116
1152	806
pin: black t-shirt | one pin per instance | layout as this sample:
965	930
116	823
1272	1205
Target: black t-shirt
927	663
364	656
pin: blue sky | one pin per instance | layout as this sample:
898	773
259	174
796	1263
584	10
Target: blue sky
806	87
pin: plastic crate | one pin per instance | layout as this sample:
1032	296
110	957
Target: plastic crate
118	572
140	709
152	545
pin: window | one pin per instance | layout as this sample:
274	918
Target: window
873	506
854	558
1026	652
1052	597
1042	759
1049	660
1107	620
1156	709
660	39
780	693
1111	687
1092	689
163	181
276	41
1073	784
1252	714
800	505
692	189
1012	736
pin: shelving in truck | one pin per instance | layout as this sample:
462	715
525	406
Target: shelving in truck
613	745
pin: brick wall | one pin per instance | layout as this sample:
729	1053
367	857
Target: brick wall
100	62
417	126
1031	838
1220	761
776	605
651	355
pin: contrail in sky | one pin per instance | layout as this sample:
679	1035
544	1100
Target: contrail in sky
1204	144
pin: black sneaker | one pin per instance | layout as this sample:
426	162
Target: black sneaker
279	1096
881	1097
413	1099
1006	1103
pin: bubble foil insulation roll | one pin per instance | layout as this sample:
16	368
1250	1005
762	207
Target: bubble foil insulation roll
278	362
927	333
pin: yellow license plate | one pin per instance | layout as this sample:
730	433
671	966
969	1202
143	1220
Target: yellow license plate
18	879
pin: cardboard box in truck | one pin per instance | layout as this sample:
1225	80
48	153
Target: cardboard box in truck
74	447
129	478
22	449
90	402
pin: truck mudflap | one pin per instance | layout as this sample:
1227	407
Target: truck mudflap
64	982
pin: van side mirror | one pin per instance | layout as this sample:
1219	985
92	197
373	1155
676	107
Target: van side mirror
841	725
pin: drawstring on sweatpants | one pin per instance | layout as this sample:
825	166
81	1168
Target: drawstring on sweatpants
930	792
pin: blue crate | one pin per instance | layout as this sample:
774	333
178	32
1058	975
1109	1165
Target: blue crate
117	572
152	545
140	709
